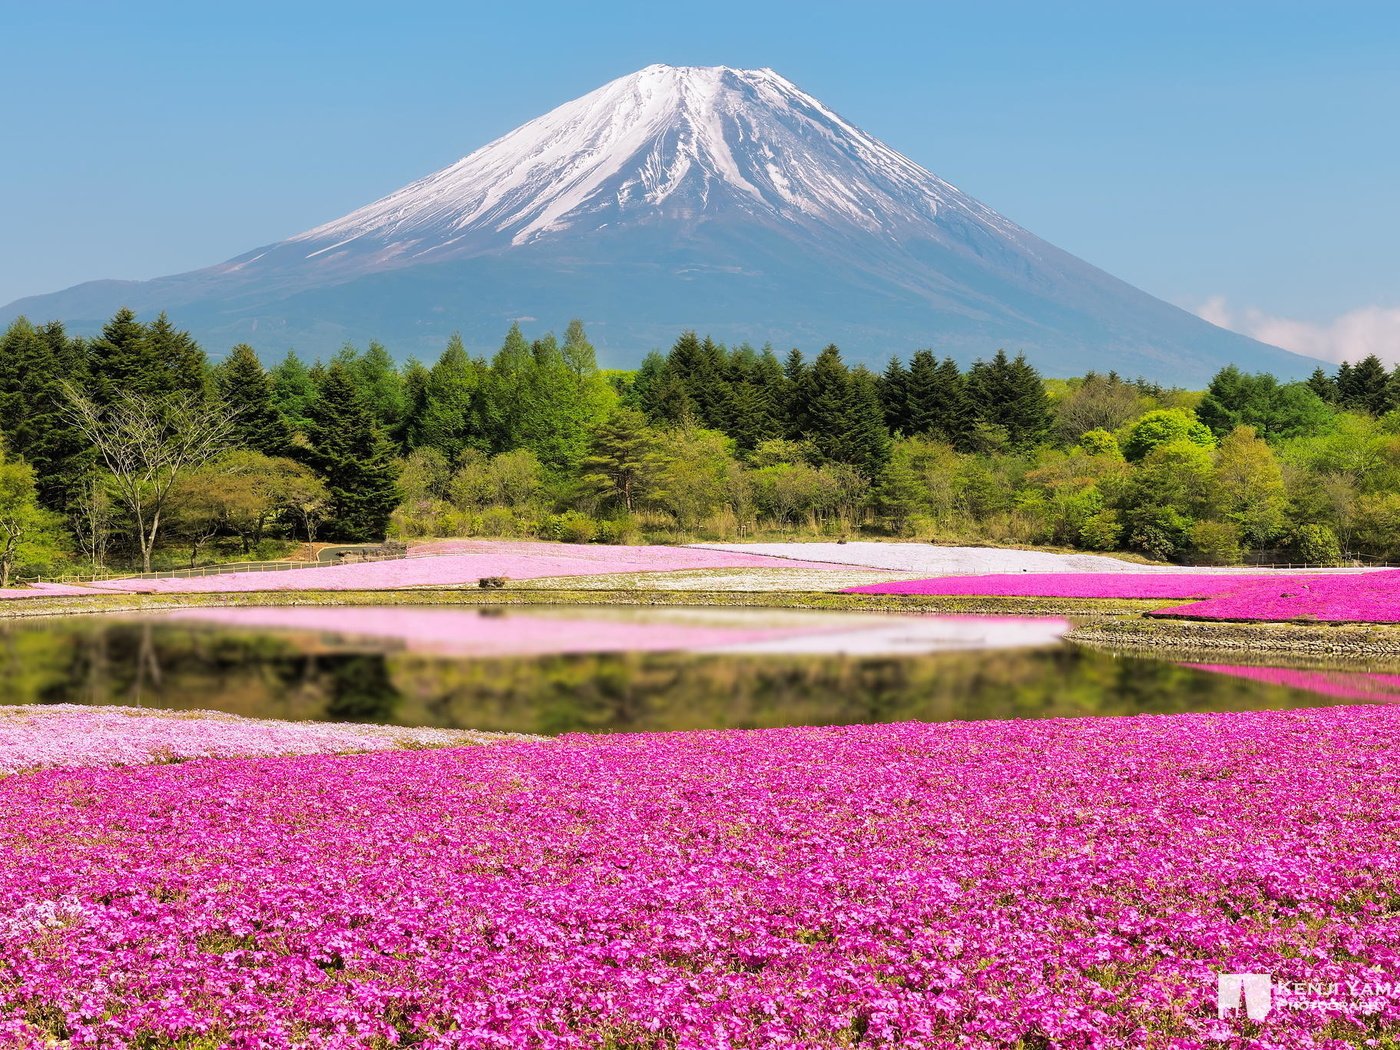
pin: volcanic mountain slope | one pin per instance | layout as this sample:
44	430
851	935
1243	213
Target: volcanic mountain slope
719	199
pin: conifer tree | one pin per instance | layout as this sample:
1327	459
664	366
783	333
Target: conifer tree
1323	385
829	397
292	391
938	405
452	418
1010	394
622	453
415	404
865	440
1363	386
34	419
894	396
118	358
173	362
353	455
246	390
796	410
509	390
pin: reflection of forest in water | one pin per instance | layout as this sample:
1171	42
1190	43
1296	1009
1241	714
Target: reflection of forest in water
305	676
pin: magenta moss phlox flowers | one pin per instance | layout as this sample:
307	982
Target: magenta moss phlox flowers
1144	585
1070	883
1368	597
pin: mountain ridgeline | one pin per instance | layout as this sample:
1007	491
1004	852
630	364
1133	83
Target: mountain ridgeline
724	200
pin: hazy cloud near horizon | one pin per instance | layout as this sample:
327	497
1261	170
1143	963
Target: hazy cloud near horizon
1350	337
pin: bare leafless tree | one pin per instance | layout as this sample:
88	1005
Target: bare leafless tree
147	444
92	515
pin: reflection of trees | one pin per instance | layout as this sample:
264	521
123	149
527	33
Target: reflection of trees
664	691
360	690
152	664
276	675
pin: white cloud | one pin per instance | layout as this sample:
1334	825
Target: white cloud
1350	337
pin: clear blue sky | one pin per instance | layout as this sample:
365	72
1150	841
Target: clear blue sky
1198	150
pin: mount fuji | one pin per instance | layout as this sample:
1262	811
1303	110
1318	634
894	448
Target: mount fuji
724	200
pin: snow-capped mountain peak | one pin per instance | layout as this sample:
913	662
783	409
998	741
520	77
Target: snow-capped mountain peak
666	141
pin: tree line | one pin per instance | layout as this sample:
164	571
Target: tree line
133	449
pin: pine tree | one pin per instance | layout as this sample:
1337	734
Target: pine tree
796	407
293	389
865	440
894	396
1321	384
246	390
354	456
1010	394
621	454
452	419
34	419
173	362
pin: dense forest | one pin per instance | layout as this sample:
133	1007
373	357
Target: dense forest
131	450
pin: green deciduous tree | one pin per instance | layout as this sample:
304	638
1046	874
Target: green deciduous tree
1164	427
31	537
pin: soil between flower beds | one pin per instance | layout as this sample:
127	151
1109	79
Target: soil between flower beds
1071	883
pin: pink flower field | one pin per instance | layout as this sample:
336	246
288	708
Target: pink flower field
1372	597
1068	884
448	565
1362	597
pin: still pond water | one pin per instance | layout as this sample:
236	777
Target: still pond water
541	671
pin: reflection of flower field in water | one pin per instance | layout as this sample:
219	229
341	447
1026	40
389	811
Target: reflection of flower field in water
1347	685
498	632
1068	883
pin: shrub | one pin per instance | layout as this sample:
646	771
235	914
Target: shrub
622	530
1101	531
569	527
1216	543
1316	545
